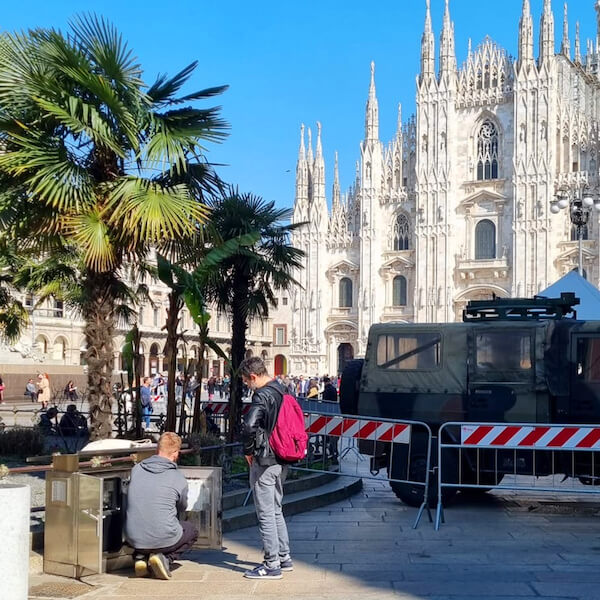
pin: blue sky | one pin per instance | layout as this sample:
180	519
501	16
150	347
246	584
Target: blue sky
292	62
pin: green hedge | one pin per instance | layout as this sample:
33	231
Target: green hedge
21	442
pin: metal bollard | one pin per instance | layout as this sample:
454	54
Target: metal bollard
15	501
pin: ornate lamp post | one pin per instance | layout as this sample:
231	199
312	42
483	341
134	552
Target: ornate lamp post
581	201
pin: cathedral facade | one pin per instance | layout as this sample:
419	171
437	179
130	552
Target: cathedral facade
461	204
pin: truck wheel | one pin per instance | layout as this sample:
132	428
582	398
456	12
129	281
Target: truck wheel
349	387
412	495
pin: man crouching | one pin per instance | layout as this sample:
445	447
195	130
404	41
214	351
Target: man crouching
157	495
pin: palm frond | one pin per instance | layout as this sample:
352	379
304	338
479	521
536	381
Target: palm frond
91	233
142	210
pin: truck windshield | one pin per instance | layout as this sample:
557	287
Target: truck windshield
409	351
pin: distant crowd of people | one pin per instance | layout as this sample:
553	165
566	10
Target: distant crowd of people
317	388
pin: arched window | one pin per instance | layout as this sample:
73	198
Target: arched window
401	234
345	293
399	291
487	152
485	240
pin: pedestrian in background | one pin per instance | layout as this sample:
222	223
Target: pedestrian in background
43	390
146	400
71	392
1	391
31	390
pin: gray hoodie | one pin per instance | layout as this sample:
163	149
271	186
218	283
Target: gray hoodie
157	492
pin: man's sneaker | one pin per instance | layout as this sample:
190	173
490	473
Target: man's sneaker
287	565
141	567
160	566
263	572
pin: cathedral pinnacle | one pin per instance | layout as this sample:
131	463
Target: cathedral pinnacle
302	151
577	44
598	24
336	182
319	153
372	111
447	51
525	36
546	34
566	43
399	129
427	46
310	152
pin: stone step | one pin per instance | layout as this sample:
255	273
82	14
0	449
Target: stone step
300	501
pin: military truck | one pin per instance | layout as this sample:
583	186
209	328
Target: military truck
510	360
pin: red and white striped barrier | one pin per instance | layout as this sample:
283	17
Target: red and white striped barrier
222	408
523	436
362	429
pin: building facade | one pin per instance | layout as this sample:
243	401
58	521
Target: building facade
54	339
458	205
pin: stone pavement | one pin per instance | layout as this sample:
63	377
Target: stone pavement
497	547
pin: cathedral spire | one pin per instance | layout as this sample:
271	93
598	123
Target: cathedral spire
300	205
336	183
597	24
302	151
525	36
447	52
546	34
565	47
319	201
427	46
309	156
399	126
577	44
372	112
319	152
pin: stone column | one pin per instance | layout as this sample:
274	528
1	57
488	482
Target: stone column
14	532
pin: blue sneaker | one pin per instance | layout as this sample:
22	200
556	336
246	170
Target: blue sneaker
263	572
287	565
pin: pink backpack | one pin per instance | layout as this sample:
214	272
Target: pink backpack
288	439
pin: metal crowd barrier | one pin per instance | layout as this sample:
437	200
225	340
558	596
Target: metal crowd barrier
319	406
399	434
551	452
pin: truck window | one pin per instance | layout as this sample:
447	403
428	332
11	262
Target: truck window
409	351
503	351
588	359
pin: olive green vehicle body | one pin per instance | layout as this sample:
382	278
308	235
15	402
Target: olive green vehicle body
488	371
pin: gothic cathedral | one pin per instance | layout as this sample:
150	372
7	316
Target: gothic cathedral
458	205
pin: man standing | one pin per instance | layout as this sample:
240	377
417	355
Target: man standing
146	401
302	388
157	494
267	474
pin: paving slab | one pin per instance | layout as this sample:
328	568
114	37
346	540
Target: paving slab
499	547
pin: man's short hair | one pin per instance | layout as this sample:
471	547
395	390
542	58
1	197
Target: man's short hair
253	366
169	442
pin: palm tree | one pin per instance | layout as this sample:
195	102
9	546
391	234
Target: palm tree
186	286
93	158
243	285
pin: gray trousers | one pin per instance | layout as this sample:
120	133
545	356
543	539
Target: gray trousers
267	489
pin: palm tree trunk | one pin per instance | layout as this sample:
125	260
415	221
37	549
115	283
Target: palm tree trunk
239	309
99	315
197	421
172	324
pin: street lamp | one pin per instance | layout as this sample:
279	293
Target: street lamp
581	202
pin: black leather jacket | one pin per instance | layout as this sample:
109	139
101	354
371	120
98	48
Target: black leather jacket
260	421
